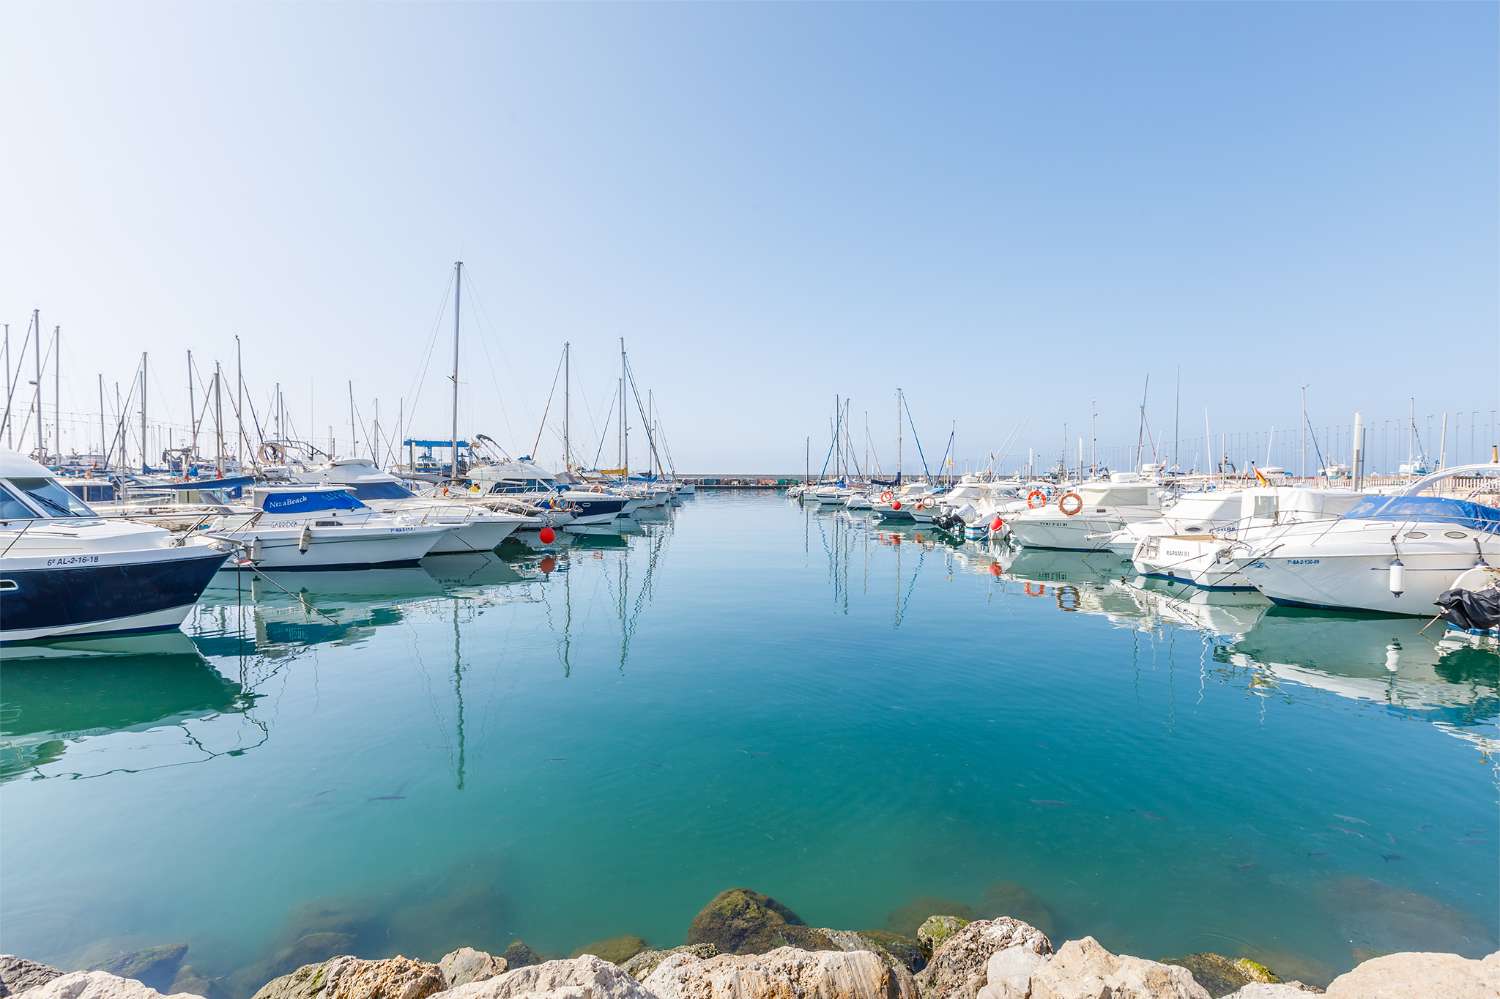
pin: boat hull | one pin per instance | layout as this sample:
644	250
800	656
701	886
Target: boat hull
470	536
1358	582
283	549
117	594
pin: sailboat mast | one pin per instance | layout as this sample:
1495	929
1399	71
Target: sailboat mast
898	433
192	413
624	417
458	291
57	390
219	420
144	466
239	405
1177	424
567	404
36	318
353	440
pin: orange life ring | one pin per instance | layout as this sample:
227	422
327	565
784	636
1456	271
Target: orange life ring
921	504
887	496
1040	591
1033	497
1077	504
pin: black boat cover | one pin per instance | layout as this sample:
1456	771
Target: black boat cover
1479	609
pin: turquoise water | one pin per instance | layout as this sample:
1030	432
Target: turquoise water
867	724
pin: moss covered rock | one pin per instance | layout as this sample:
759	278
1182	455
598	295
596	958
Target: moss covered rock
1222	975
936	929
615	950
152	966
741	921
519	955
913	914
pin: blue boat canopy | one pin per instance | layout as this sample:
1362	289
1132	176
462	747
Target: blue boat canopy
1438	509
413	442
311	501
228	482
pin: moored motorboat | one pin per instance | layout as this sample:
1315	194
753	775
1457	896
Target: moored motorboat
66	572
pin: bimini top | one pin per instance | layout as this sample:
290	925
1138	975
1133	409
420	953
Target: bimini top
308	499
1427	509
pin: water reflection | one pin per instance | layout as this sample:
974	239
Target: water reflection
68	695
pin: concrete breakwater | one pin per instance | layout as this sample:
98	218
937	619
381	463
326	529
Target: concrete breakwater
745	945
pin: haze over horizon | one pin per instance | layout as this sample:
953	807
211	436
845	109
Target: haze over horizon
1016	213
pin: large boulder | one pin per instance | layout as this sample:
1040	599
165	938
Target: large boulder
784	973
642	964
17	974
957	969
155	967
1222	975
615	950
354	978
586	977
905	952
1083	969
97	985
1007	974
741	921
1420	976
465	965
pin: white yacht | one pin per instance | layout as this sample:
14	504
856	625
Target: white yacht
475	529
66	572
524	480
321	527
1081	518
1392	554
1206	555
901	503
1189	514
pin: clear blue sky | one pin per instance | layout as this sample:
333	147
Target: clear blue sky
1007	210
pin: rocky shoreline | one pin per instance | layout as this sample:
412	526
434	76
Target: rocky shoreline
745	945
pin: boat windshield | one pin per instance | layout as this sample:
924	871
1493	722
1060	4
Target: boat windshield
51	498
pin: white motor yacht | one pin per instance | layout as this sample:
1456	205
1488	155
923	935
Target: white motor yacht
66	572
1082	517
1392	554
524	480
1189	514
321	527
1207	557
475	528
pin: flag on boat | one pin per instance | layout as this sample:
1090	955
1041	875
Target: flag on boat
1260	477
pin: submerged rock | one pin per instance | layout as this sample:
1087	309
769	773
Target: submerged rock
913	914
784	973
741	921
189	980
519	955
465	965
310	948
1420	976
958	966
615	950
936	929
585	977
154	967
1083	969
642	964
96	985
354	978
17	974
1222	975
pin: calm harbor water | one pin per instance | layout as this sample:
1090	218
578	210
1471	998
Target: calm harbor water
870	725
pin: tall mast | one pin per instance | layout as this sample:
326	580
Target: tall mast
353	440
239	405
36	318
624	416
192	412
898	433
103	447
1177	424
458	292
1302	471
219	420
144	466
567	404
57	390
